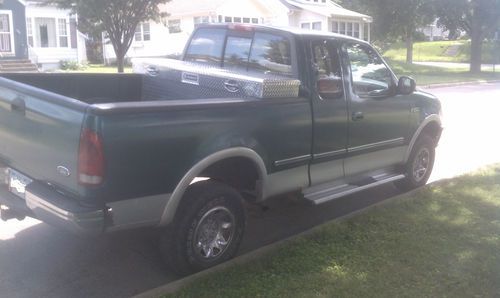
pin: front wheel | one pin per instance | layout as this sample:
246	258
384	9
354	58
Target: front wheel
207	230
419	165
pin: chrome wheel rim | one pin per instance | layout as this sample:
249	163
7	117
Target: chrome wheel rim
421	164
214	232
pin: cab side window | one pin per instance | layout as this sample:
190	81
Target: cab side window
327	69
370	76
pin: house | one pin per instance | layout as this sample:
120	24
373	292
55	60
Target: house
155	39
45	35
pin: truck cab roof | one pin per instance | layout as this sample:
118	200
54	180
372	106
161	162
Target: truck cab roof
282	29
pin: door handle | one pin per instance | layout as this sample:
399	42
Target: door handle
356	116
232	86
18	105
152	70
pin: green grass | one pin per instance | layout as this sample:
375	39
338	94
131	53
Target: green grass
428	75
99	68
440	241
436	51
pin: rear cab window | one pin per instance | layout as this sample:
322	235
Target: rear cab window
206	46
244	51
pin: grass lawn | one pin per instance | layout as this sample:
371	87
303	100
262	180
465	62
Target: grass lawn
427	75
99	68
437	51
440	241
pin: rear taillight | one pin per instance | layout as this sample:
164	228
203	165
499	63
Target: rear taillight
90	158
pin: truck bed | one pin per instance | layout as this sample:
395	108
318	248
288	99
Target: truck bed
88	88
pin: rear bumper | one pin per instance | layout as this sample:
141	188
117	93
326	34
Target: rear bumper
48	205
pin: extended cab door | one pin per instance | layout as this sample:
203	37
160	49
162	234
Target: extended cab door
378	116
329	111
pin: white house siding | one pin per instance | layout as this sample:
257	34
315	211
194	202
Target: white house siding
270	12
298	18
164	43
51	53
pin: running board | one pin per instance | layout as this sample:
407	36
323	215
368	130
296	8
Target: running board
328	192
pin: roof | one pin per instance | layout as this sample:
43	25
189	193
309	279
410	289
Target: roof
328	9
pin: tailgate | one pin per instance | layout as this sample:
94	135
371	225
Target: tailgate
40	133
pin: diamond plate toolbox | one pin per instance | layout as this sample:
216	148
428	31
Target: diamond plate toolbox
175	79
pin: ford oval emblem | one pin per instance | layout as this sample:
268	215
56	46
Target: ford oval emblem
63	171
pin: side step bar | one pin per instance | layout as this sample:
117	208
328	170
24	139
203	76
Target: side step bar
326	192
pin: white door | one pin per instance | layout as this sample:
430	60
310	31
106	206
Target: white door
5	34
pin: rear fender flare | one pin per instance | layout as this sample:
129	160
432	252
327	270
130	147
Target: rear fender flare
178	193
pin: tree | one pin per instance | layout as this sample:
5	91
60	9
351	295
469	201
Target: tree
394	19
118	18
479	18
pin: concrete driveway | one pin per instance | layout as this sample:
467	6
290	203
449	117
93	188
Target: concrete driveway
37	260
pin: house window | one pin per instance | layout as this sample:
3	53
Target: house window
5	33
62	31
142	32
244	20
305	25
29	32
174	26
347	28
316	26
355	30
201	20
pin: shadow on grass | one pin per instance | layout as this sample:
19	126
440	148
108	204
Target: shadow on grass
443	240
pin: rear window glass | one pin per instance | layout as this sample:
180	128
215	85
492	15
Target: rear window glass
206	46
270	54
237	51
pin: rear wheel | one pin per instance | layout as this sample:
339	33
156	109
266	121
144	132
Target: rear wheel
419	165
207	230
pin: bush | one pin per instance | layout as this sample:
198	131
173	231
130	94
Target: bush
71	65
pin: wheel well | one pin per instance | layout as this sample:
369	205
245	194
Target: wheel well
238	172
433	129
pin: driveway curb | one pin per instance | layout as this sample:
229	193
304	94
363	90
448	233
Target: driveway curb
175	286
431	86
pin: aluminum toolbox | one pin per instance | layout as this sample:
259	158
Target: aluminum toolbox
174	79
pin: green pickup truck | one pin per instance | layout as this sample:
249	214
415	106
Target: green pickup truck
96	153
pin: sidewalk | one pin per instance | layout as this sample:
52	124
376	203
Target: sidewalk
489	67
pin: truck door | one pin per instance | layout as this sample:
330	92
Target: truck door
329	111
378	116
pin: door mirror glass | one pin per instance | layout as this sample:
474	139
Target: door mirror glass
406	85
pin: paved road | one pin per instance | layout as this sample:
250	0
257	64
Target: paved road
37	260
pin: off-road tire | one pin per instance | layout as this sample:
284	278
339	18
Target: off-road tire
176	242
424	146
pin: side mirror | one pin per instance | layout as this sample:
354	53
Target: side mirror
406	85
330	87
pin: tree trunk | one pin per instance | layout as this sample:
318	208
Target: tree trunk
120	61
476	43
409	46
